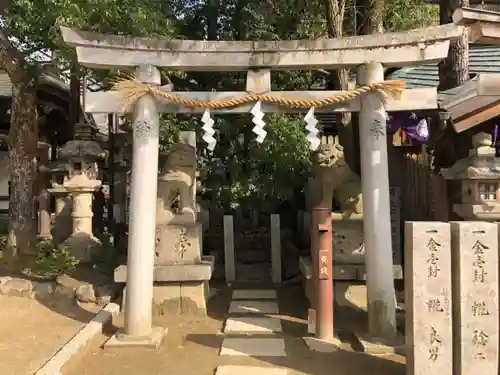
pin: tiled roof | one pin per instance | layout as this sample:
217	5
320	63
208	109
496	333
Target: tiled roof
482	59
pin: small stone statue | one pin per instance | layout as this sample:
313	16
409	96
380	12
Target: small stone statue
178	182
336	175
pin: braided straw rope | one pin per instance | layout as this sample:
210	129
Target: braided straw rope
130	90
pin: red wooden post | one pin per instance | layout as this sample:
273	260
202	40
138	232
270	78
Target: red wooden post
321	257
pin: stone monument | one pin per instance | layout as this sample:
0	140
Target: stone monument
82	155
475	259
181	272
428	295
480	178
475	297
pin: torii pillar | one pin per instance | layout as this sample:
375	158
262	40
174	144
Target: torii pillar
138	329
376	211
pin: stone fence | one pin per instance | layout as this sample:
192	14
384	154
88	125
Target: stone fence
451	297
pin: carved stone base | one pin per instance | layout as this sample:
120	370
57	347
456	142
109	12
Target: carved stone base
182	298
178	244
178	288
175	272
348	244
80	245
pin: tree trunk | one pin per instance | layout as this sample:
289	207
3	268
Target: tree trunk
339	80
23	137
454	70
370	17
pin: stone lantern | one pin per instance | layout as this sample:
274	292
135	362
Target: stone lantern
62	229
43	196
480	181
82	155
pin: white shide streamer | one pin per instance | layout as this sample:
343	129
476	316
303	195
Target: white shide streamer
257	119
208	124
312	136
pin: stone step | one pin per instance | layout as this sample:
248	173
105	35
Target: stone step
249	294
252	324
249	370
253	307
253	347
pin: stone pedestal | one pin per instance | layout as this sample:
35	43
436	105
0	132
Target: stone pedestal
475	292
181	273
181	284
185	293
348	245
429	341
81	241
63	224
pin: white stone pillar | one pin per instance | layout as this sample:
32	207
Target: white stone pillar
142	217
376	207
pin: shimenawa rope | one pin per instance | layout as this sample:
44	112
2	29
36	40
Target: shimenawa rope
130	89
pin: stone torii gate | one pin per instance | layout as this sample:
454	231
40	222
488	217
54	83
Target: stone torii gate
368	53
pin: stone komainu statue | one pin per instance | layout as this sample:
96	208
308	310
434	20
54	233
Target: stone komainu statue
179	179
335	174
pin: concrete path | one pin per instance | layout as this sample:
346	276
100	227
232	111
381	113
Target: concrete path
251	332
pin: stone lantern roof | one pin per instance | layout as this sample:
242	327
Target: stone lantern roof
83	146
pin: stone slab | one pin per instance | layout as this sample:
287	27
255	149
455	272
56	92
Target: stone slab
253	324
377	346
152	341
249	370
322	346
175	272
253	347
182	298
475	290
253	307
254	294
428	298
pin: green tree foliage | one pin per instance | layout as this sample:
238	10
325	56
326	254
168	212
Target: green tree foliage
26	28
400	15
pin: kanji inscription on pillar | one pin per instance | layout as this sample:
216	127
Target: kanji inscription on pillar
428	298
377	129
475	262
323	264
